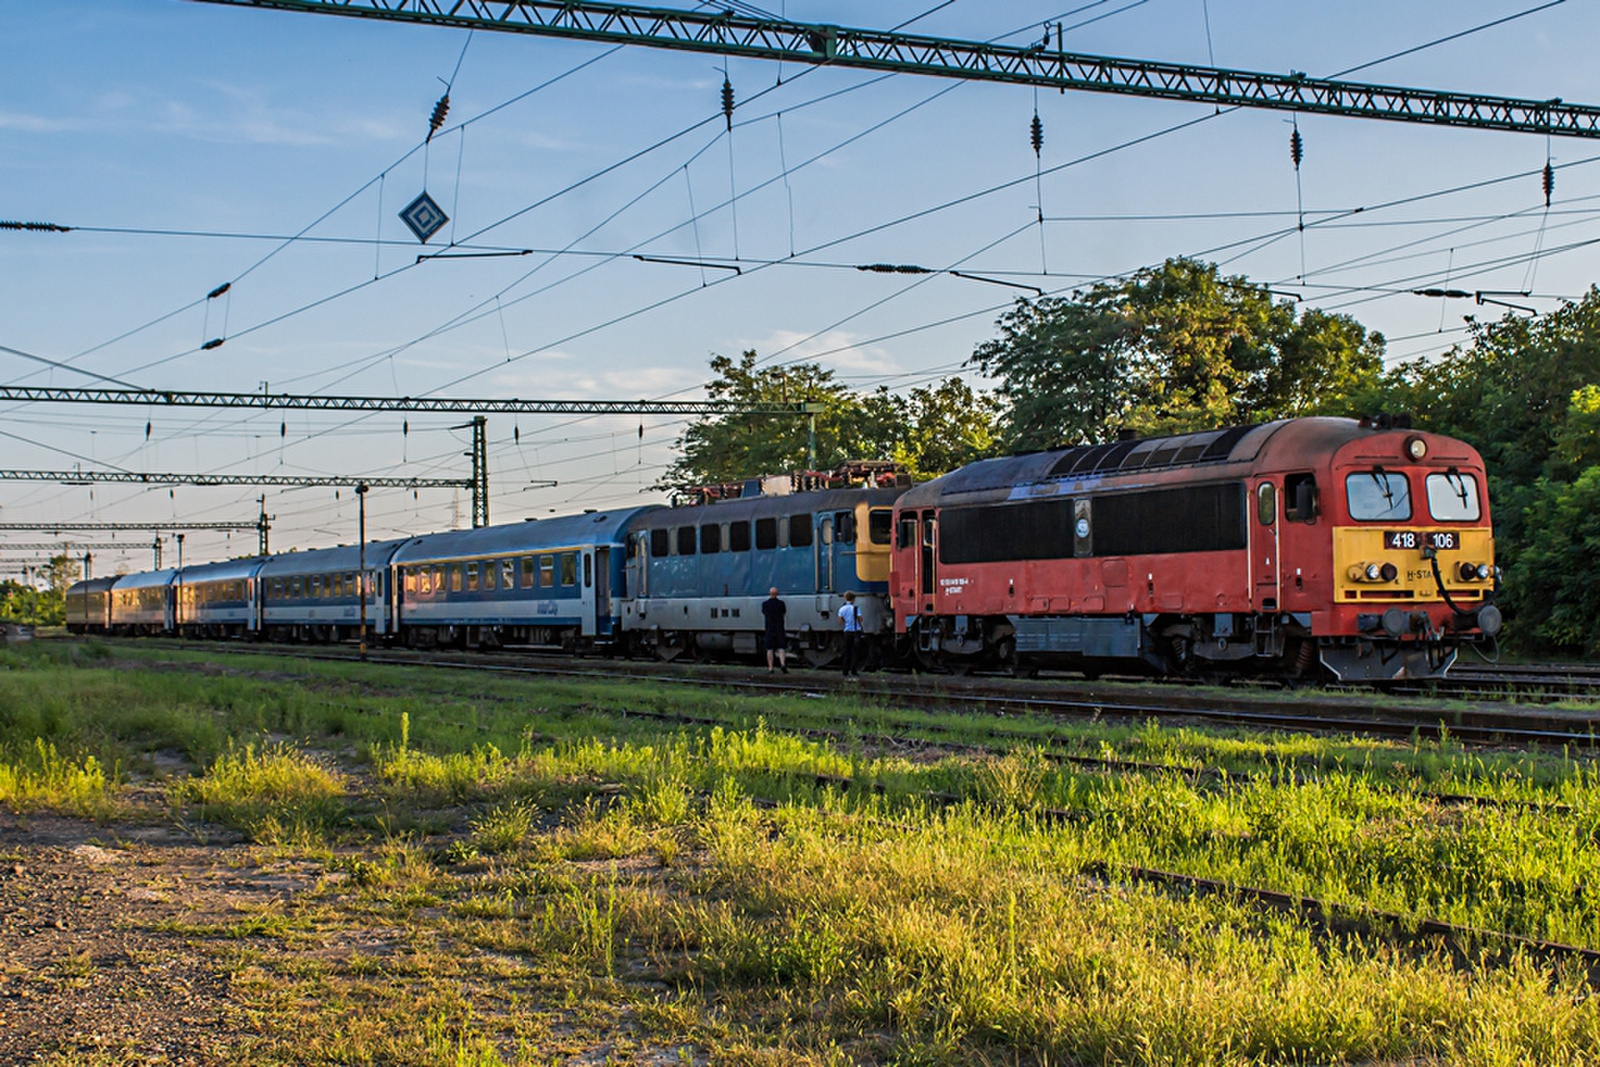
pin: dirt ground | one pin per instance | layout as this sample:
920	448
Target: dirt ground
98	962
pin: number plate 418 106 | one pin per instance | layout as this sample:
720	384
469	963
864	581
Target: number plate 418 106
1413	539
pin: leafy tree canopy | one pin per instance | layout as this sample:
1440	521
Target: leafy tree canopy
929	430
41	607
1170	349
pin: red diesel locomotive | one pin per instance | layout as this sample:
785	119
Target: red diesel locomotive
1364	547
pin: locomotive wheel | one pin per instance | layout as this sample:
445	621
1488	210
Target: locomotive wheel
825	653
669	648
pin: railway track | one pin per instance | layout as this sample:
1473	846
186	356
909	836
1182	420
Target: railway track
1366	713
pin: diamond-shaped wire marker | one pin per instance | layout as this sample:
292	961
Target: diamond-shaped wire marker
424	217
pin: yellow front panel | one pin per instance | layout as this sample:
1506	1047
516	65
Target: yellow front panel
1357	546
872	561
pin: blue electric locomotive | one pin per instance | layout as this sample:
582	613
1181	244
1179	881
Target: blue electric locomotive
699	573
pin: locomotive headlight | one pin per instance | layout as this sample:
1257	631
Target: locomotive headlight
1468	571
1484	570
1389	572
1356	572
1416	448
1373	572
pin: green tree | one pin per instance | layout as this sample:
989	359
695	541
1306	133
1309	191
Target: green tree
24	603
929	431
1170	349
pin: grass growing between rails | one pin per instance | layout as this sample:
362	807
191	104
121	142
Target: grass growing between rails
514	871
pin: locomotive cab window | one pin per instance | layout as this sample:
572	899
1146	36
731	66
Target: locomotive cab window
766	534
1266	503
800	531
1453	497
686	540
1378	496
907	532
739	536
661	543
880	522
710	538
1300	498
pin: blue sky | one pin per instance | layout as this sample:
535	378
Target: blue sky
249	126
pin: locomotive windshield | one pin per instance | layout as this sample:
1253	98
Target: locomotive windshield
1453	497
1376	496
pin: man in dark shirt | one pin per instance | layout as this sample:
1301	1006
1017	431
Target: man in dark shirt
772	610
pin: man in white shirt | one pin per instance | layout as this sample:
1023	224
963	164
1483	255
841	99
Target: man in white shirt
850	619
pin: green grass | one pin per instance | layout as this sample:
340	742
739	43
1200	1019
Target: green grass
552	878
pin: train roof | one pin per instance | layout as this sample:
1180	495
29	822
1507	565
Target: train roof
226	570
1288	439
329	560
746	507
533	535
91	585
146	579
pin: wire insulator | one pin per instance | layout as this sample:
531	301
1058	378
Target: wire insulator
215	342
147	428
1549	182
1036	134
405	427
1297	148
727	102
219	290
35	227
436	120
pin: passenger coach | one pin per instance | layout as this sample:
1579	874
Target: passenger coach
316	595
549	583
88	604
1274	548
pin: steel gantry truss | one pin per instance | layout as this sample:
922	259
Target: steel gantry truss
280	480
300	401
724	32
262	526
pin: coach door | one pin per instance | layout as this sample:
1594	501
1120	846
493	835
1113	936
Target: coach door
1264	561
602	590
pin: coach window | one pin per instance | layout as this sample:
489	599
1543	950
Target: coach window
424	581
1300	498
739	536
569	567
1377	496
438	579
588	571
710	538
800	531
508	573
766	534
1266	503
547	571
472	576
527	572
661	543
297	587
455	577
489	571
686	540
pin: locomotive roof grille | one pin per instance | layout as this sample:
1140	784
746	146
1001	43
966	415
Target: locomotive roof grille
1209	446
